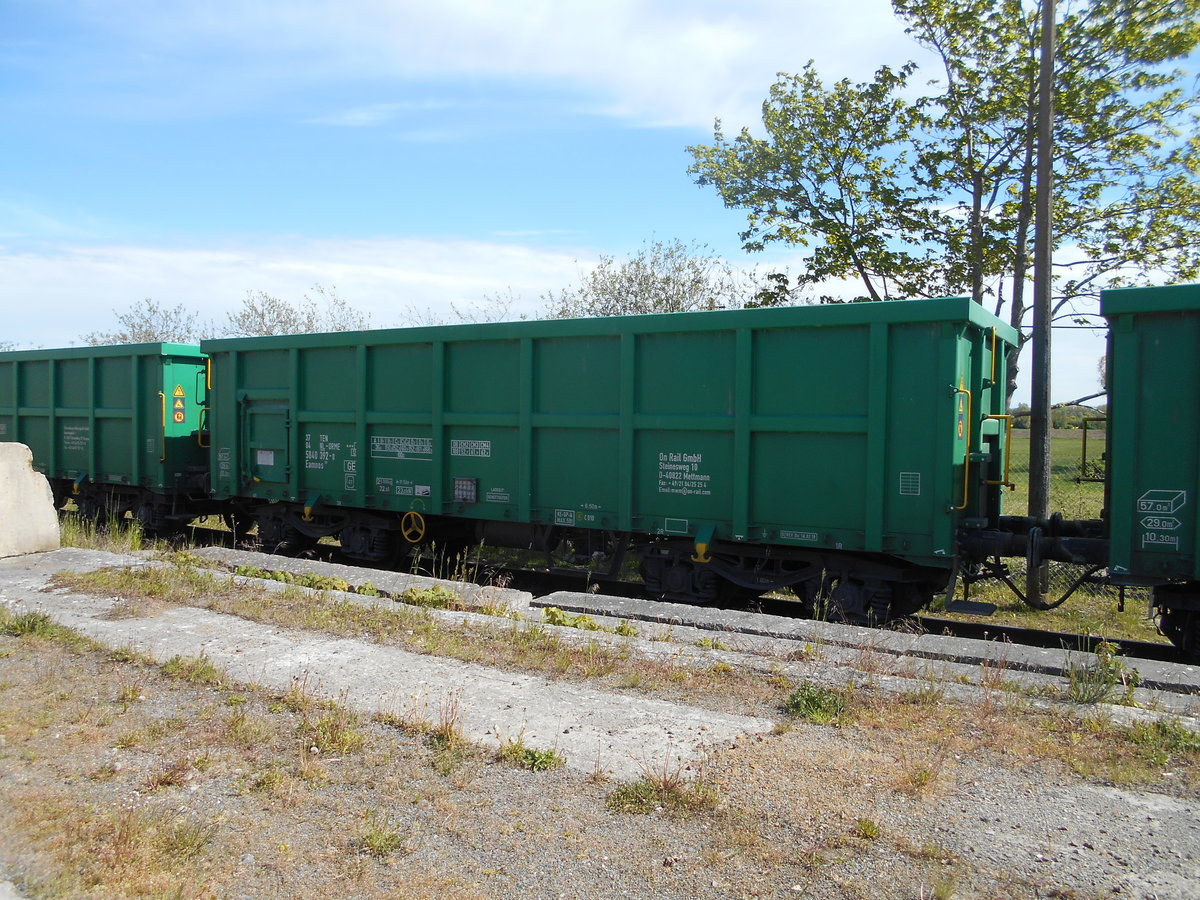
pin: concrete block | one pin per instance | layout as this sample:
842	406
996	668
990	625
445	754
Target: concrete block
473	596
28	520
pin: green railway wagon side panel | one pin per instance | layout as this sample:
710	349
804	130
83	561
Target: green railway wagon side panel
483	471
184	397
567	476
1154	436
920	419
759	424
400	464
576	376
481	376
400	379
812	372
807	484
326	378
125	414
684	479
685	374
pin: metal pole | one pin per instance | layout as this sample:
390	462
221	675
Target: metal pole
1039	424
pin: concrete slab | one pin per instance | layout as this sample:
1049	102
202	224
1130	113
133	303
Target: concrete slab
390	584
597	731
28	520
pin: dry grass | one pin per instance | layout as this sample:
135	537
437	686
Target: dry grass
1000	723
152	734
66	704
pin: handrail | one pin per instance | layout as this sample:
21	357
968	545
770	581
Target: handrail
993	378
200	429
1008	427
967	453
163	397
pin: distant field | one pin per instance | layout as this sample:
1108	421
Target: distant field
1074	499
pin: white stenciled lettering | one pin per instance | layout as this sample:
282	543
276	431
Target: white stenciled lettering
682	474
471	448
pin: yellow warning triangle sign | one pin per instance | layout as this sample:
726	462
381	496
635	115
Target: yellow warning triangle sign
178	391
179	404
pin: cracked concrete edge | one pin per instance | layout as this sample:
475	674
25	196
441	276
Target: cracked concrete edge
831	664
834	664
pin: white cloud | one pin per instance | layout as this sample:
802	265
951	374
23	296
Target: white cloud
374	114
652	62
53	298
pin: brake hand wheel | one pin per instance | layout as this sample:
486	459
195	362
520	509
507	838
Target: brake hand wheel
412	526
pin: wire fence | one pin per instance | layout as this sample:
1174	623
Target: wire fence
1078	458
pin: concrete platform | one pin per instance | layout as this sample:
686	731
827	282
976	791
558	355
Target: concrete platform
597	731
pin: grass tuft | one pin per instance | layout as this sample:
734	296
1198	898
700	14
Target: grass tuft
377	835
650	794
519	754
1096	682
196	669
819	705
31	624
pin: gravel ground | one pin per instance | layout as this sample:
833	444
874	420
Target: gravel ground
102	760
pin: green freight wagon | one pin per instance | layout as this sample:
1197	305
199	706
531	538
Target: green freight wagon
116	428
734	450
1153	497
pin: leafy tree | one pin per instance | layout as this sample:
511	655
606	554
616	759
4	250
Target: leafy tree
935	195
830	175
149	322
263	314
1126	197
662	277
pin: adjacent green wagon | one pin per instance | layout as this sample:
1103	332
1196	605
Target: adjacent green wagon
1154	449
118	428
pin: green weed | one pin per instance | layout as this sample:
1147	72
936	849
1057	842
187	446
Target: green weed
377	836
525	757
1096	682
436	597
819	705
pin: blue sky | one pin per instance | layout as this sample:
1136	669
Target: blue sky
412	154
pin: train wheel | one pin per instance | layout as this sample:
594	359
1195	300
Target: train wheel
240	524
857	601
281	538
1182	627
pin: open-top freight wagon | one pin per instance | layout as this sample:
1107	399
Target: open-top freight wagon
1153	488
836	449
